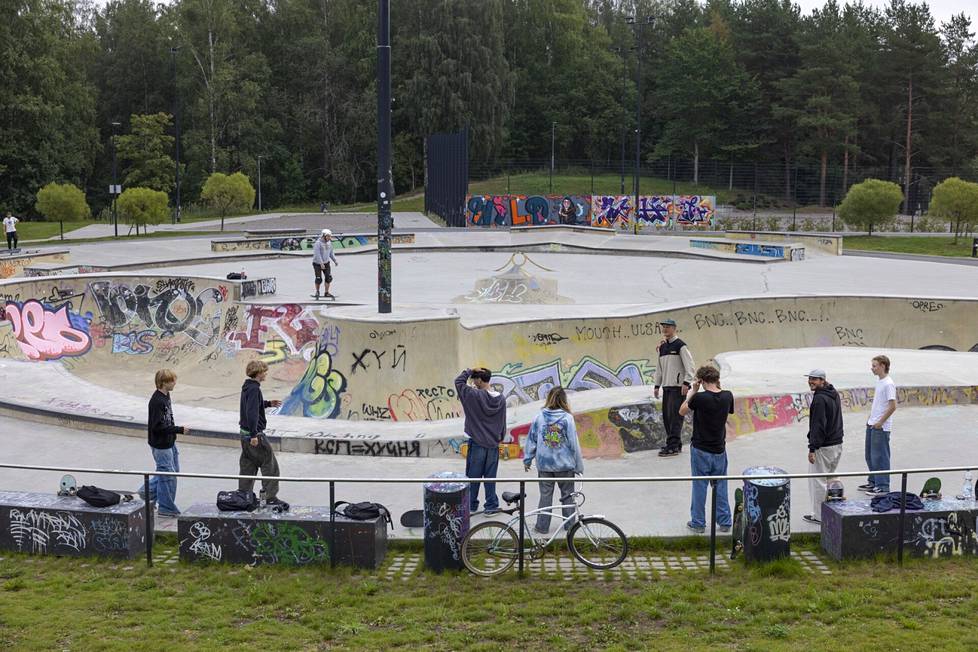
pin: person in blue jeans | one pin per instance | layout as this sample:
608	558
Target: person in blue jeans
708	449
878	428
163	443
485	426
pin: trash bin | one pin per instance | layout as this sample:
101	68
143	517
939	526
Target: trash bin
446	521
767	515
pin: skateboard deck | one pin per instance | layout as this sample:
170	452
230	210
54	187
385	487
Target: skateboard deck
321	298
932	488
737	532
413	518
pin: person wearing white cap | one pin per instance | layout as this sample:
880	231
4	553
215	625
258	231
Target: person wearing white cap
825	433
322	254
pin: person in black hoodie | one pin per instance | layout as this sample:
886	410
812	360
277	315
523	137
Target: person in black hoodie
485	426
163	442
256	452
824	438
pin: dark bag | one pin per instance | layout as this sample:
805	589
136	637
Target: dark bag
363	511
237	276
237	501
99	497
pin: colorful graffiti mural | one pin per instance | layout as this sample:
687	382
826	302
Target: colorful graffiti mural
605	211
533	383
44	332
318	392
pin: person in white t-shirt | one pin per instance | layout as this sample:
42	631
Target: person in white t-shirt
10	229
878	429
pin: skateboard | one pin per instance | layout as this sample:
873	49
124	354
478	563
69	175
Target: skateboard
322	298
413	518
932	489
737	532
68	486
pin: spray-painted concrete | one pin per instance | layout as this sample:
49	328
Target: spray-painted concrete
14	264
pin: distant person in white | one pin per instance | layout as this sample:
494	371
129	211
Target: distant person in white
10	228
878	429
322	254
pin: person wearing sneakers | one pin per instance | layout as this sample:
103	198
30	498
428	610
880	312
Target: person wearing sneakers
322	254
825	435
485	427
256	453
708	449
878	429
673	375
163	443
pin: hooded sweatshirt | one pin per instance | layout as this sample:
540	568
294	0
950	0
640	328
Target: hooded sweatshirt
825	419
252	410
485	412
553	442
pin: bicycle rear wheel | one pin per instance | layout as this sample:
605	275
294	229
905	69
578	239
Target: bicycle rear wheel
597	542
490	548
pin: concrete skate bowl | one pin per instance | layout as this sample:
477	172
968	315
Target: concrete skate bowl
349	365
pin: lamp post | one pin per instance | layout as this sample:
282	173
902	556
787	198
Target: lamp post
176	120
260	157
115	185
624	72
637	27
553	150
385	181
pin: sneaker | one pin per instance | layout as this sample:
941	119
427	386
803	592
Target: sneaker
328	296
698	529
277	504
811	519
876	491
723	528
491	512
864	487
168	514
669	452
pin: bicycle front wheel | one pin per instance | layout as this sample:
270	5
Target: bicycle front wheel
597	543
490	548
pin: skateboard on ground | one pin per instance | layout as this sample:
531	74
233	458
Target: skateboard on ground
932	489
68	486
737	532
413	518
323	298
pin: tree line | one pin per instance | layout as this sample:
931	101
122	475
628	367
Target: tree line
290	85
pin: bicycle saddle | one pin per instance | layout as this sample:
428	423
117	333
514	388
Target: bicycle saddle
512	497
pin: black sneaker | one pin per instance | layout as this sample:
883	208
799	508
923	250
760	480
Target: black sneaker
669	452
277	504
811	519
876	491
864	487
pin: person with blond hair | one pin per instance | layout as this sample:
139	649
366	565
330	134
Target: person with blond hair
552	442
878	428
256	452
163	443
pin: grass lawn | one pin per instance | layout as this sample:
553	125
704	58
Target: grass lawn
50	603
41	230
933	246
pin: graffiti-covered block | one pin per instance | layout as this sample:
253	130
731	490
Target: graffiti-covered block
490	211
48	524
297	538
944	528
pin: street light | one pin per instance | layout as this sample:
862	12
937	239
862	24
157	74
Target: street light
621	54
176	119
637	27
115	185
553	140
260	157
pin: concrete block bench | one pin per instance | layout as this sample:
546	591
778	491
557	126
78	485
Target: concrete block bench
297	537
851	530
48	524
783	251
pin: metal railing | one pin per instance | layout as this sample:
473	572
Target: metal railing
522	482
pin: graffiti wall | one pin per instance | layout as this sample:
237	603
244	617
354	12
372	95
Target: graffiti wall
606	211
303	243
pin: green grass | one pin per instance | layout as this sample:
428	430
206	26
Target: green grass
50	603
933	246
44	230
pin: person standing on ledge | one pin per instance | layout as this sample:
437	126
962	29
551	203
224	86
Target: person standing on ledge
878	429
825	435
322	254
485	426
674	374
10	229
163	443
256	452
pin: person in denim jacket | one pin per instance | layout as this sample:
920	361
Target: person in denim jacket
552	441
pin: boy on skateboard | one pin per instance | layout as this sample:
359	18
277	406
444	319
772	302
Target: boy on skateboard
322	254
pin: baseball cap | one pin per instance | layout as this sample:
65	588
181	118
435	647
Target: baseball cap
816	373
667	322
326	232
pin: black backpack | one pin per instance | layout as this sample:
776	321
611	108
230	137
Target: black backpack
99	497
237	501
363	511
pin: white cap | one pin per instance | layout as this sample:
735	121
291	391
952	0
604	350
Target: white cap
327	232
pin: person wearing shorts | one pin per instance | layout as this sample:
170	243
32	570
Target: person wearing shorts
322	254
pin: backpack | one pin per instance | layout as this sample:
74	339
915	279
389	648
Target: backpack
97	497
237	501
237	276
363	511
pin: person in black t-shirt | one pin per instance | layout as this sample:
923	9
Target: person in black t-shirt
708	450
163	442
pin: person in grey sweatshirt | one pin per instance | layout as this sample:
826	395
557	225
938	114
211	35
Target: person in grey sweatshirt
322	254
485	426
552	441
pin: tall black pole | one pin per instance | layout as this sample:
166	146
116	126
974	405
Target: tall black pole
176	119
385	181
260	156
115	184
638	115
624	74
553	149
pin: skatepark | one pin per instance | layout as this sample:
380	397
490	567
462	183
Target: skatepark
371	395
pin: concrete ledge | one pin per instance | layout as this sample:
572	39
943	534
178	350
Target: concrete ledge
570	228
787	251
12	264
828	242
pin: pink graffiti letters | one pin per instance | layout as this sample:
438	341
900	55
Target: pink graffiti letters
45	333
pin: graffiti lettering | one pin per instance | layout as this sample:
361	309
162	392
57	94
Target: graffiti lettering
45	333
35	530
368	448
546	338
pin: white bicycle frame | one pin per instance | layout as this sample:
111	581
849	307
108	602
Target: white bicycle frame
556	511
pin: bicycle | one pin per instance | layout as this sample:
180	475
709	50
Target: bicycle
492	547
